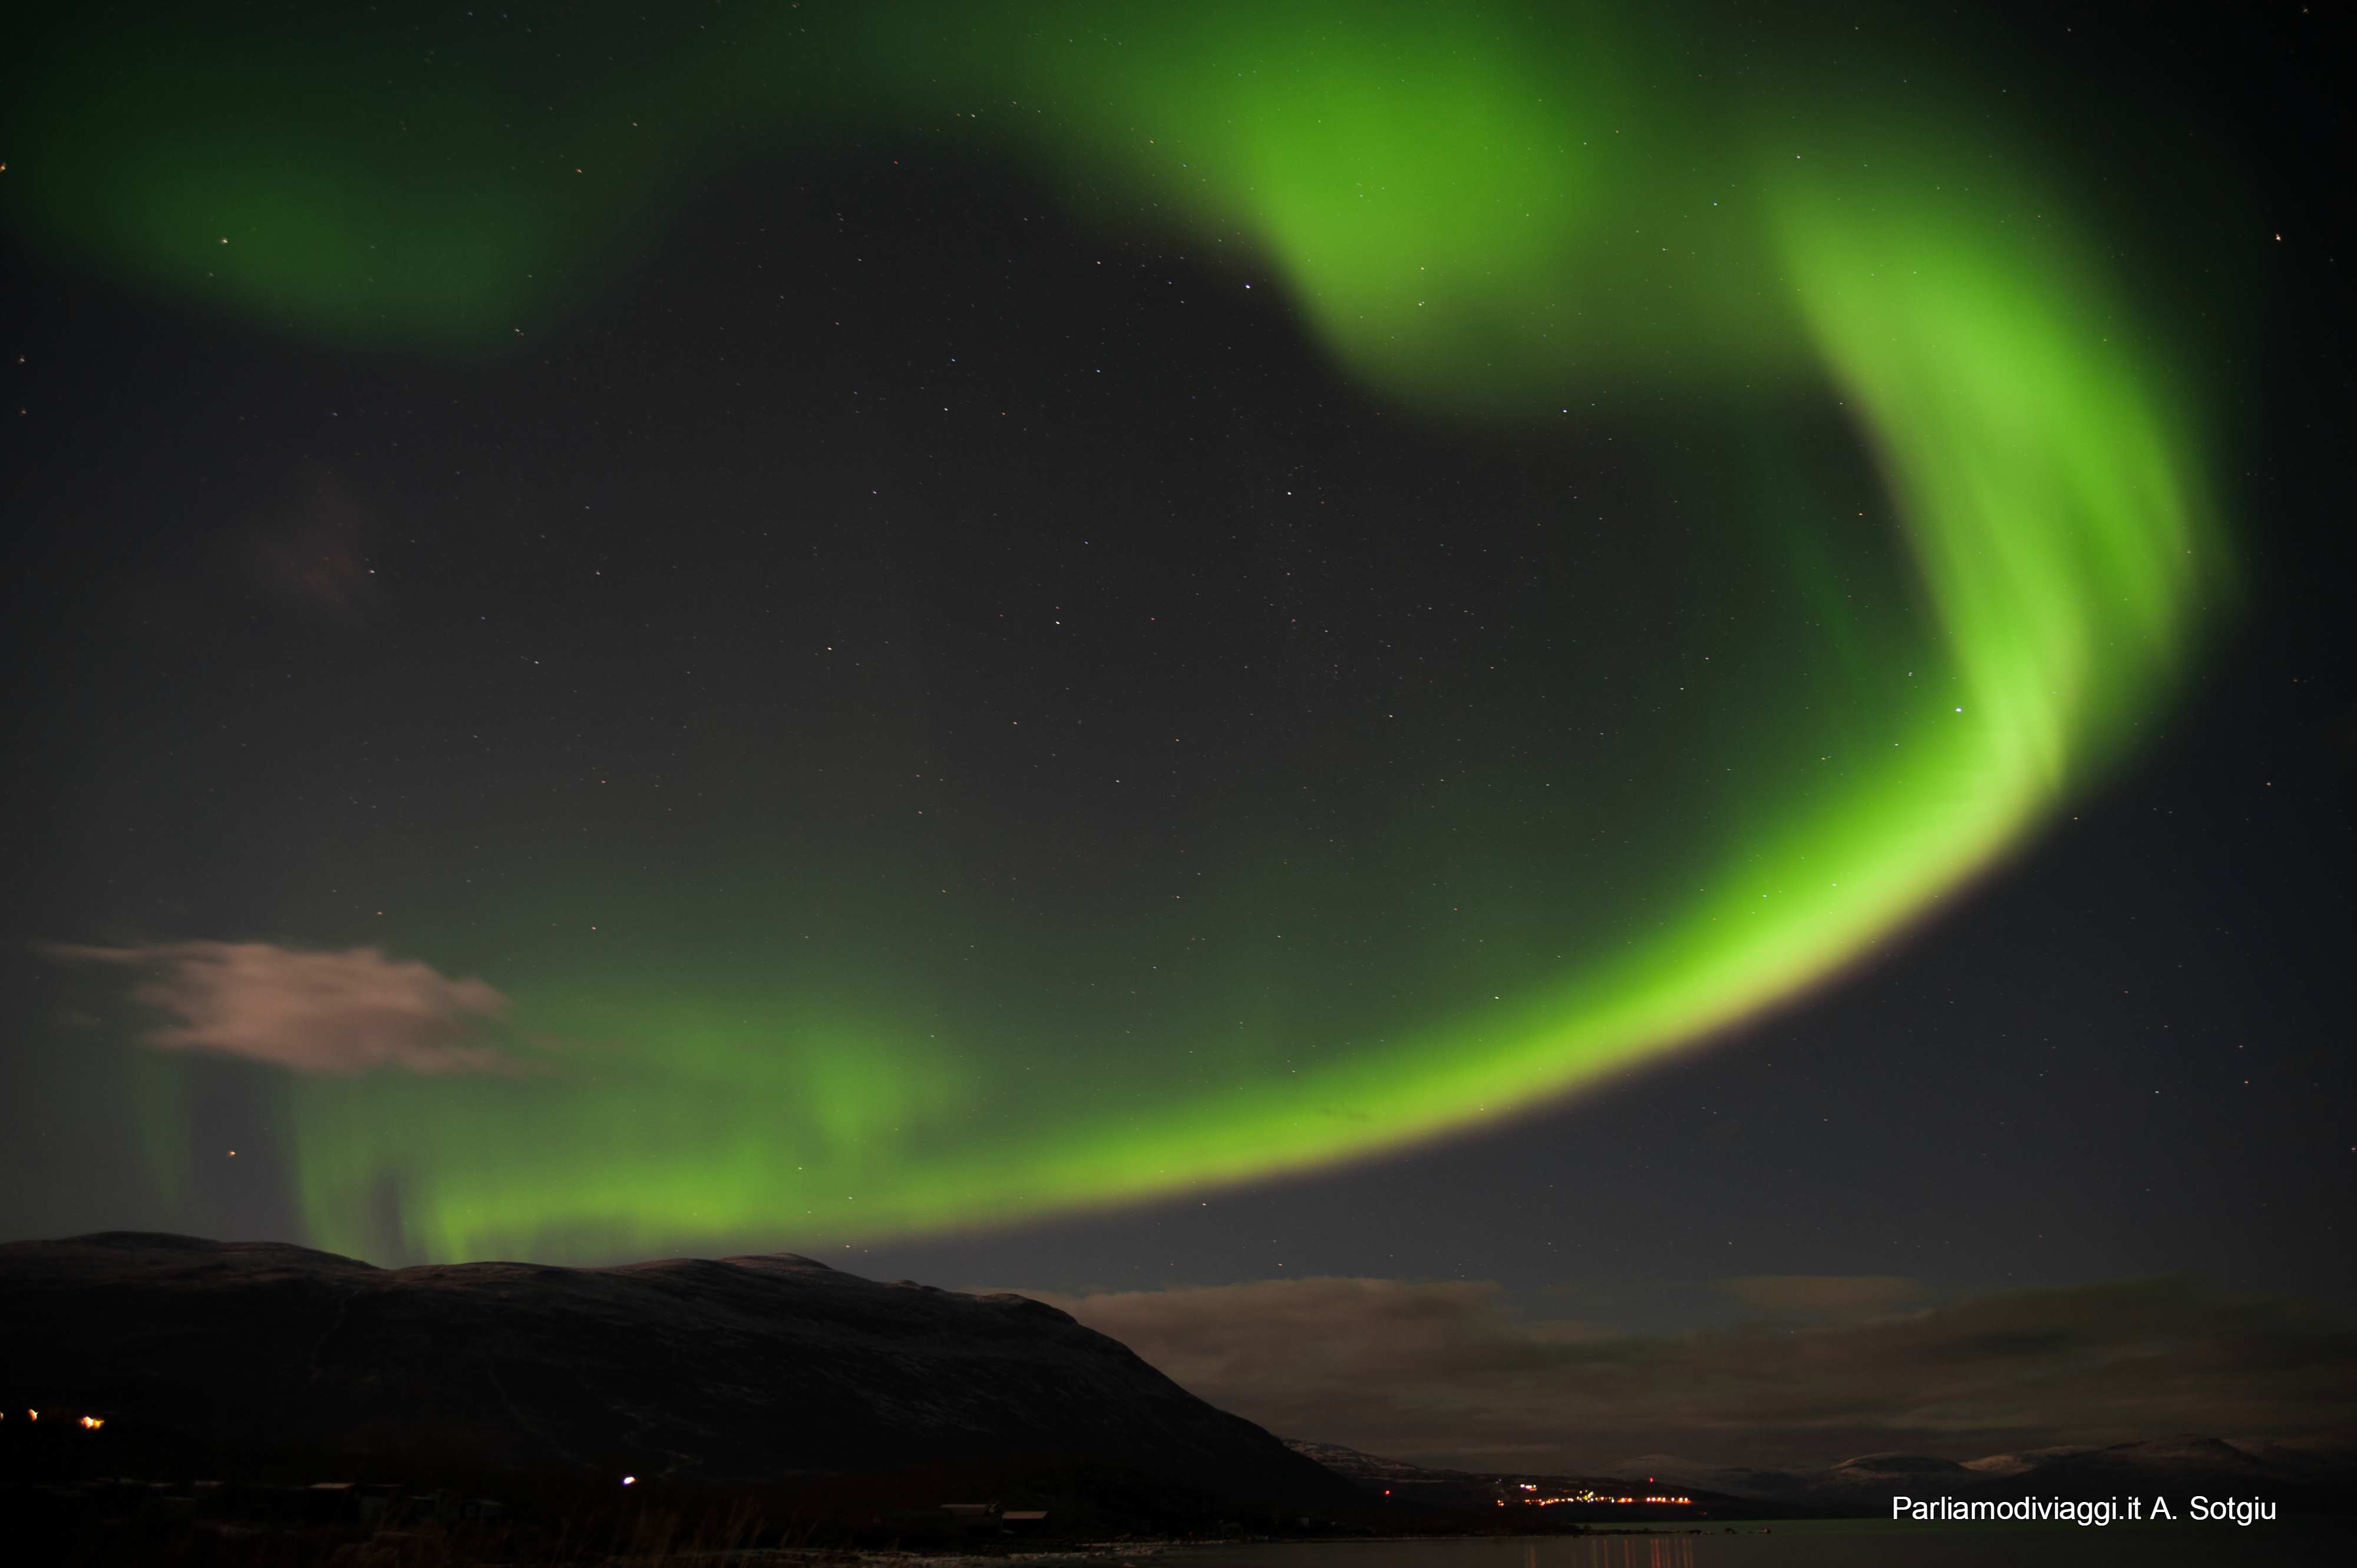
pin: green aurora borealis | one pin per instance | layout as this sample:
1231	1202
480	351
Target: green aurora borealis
1483	214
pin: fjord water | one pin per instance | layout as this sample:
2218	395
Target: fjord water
1829	1544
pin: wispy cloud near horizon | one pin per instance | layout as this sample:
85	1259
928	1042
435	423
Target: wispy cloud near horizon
1447	1373
327	1014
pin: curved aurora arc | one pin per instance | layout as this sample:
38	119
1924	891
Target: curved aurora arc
1472	214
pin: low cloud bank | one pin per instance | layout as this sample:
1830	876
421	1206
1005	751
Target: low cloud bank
1448	1374
334	1014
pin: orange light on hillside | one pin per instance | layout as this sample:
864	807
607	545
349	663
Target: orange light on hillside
92	1423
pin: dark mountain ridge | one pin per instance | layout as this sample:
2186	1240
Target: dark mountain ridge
251	1355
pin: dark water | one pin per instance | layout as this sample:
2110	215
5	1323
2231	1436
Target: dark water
1829	1544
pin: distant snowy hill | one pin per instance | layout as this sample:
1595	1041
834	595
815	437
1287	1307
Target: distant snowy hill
2315	1475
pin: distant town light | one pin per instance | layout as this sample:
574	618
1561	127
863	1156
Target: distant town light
94	1422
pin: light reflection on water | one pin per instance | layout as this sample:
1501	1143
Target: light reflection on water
1826	1544
1619	1552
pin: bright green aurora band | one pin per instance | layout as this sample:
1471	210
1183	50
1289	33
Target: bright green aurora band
1477	210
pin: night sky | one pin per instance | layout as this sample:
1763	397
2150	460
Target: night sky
1611	684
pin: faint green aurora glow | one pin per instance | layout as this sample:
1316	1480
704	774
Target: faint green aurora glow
1475	212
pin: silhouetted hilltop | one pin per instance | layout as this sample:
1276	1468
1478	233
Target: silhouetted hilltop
246	1355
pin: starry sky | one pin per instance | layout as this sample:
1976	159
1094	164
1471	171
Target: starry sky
1657	672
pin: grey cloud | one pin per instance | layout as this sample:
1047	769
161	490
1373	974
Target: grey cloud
1812	1295
1445	1373
324	1013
